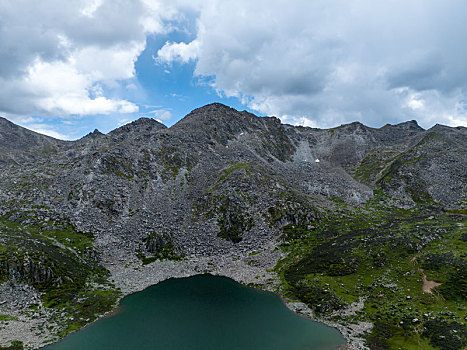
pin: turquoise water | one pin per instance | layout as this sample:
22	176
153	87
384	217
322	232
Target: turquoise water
203	312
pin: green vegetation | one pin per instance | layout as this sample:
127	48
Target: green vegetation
232	220
232	217
457	211
382	255
226	173
256	252
169	172
229	207
373	164
48	253
6	318
118	166
86	306
290	207
396	163
15	345
386	168
160	247
172	160
380	169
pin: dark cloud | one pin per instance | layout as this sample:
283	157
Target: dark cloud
332	61
320	62
53	54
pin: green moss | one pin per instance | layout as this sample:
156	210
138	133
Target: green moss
417	189
457	211
169	172
232	220
396	164
86	308
230	210
5	318
256	252
373	164
445	334
173	160
455	287
15	345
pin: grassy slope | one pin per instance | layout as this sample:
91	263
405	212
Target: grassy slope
59	262
377	253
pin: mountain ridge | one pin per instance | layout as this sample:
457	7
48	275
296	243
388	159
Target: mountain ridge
219	107
144	202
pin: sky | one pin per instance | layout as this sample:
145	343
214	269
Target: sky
69	67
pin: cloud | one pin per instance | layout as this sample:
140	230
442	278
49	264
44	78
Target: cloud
161	114
45	129
180	52
332	61
55	55
317	63
61	88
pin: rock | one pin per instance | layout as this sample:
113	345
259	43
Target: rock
218	184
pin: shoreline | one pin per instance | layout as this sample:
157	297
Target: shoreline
117	309
137	278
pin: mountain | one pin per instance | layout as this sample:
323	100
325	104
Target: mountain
17	143
332	218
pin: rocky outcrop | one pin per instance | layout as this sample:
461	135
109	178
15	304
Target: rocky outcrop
26	271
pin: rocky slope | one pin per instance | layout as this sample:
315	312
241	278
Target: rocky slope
84	222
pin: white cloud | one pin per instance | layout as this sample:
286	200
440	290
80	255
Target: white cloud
178	52
60	88
90	7
317	63
58	58
161	114
122	122
334	61
45	129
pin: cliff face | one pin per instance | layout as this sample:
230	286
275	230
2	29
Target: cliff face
219	181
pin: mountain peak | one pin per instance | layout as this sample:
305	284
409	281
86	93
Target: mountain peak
147	121
95	133
19	139
6	123
215	115
352	127
141	125
219	123
214	110
215	106
410	125
91	136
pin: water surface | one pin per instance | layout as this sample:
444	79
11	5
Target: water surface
203	312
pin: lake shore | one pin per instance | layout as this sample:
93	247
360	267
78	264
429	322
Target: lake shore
254	270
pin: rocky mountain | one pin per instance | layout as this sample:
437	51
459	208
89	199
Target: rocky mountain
330	218
17	143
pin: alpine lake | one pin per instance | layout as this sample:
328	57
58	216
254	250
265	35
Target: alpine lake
203	312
